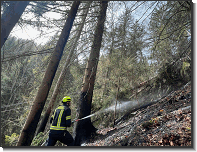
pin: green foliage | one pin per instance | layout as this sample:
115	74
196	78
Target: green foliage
39	139
169	26
185	67
11	140
19	80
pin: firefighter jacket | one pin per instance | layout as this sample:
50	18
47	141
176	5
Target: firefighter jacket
61	118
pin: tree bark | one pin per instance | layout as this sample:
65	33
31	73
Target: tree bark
10	17
62	74
30	126
84	128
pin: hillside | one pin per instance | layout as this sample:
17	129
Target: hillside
165	123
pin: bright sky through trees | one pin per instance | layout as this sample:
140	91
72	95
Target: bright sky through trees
41	37
32	33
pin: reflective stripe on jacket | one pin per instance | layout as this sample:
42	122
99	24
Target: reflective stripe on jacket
61	118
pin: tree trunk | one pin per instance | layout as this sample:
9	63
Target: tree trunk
29	129
63	73
10	17
84	128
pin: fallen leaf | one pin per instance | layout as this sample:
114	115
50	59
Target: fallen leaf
171	143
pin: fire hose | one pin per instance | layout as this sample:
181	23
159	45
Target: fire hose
75	120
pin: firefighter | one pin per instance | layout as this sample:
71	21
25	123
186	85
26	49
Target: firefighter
60	120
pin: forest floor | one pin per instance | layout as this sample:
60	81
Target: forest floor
165	123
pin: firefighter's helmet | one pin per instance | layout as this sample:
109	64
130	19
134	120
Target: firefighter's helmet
66	99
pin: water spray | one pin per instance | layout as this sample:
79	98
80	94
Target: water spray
123	106
96	113
120	106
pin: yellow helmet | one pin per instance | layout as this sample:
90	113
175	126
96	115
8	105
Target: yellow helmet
66	99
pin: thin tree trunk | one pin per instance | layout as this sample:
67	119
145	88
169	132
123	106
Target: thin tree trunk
105	91
62	74
10	17
84	128
30	126
118	87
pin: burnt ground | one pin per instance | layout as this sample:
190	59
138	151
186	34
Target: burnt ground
165	123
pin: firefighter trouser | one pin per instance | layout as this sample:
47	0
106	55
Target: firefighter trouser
61	135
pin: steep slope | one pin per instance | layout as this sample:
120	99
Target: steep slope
165	123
